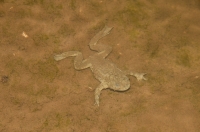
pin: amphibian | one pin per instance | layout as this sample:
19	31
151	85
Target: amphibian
105	71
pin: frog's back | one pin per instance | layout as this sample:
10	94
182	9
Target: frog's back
108	73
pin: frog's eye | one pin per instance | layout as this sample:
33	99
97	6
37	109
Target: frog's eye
117	84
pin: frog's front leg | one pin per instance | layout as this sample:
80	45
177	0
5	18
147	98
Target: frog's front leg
98	92
79	63
139	76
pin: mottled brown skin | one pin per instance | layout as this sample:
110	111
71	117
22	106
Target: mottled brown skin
106	72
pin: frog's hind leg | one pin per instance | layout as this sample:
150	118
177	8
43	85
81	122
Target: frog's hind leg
105	31
103	50
98	92
79	63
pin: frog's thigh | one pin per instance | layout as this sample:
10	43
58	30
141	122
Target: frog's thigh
103	50
98	92
79	63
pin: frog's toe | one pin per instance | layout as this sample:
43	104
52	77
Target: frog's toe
144	77
106	30
96	103
58	57
140	76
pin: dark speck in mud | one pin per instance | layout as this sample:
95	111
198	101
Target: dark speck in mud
4	79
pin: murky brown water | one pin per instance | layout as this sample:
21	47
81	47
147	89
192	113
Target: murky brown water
159	37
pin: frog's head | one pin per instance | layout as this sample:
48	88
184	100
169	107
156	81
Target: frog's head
122	84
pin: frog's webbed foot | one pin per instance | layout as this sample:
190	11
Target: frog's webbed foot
105	31
98	92
103	50
140	76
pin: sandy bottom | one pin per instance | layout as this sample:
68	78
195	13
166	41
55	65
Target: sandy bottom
159	37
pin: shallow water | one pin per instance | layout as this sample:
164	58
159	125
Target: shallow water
159	37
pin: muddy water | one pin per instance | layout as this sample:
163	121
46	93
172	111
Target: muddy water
159	37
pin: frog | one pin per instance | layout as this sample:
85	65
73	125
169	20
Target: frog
106	72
